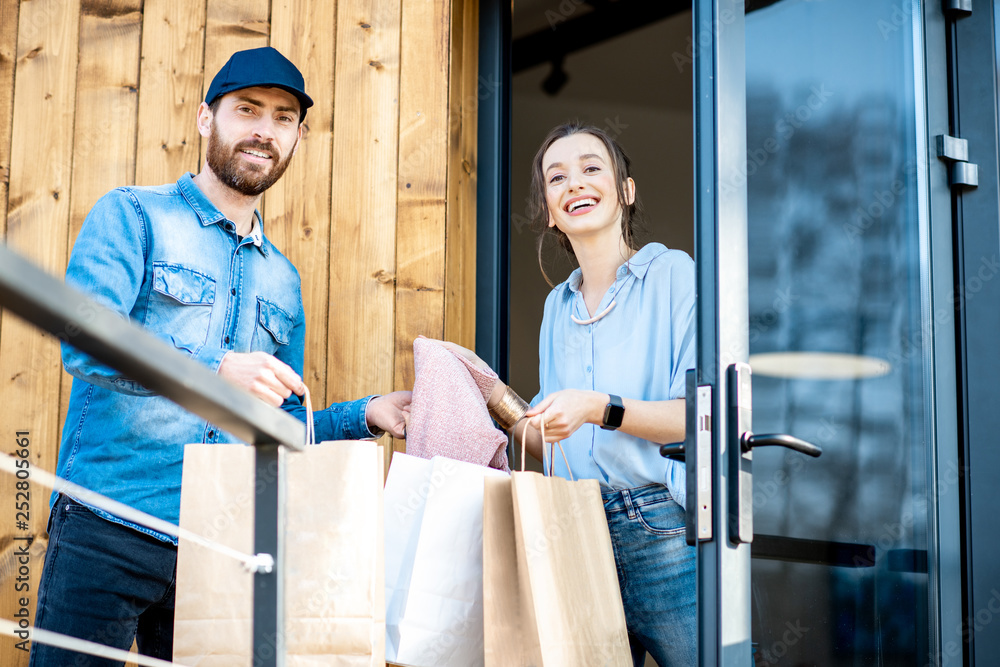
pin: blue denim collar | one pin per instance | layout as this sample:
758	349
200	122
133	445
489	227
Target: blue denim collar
206	211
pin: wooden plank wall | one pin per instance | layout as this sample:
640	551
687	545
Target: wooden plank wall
377	210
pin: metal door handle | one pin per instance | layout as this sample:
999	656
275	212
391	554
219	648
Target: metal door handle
740	444
673	451
748	441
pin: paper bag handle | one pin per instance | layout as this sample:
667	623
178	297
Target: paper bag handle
524	437
310	424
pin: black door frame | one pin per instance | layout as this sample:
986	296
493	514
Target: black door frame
973	109
721	311
493	186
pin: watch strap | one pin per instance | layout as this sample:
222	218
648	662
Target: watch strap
614	412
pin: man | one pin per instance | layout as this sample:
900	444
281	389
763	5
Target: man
190	262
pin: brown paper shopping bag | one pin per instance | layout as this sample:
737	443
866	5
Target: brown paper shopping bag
333	556
550	585
509	639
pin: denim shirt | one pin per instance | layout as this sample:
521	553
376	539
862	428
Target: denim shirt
641	349
166	258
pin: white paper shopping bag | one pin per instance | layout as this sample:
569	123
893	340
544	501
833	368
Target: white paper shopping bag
434	585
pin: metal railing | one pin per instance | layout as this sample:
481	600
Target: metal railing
73	317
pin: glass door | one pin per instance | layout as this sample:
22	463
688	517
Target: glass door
815	302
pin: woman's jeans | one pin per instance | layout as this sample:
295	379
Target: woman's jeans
656	572
105	583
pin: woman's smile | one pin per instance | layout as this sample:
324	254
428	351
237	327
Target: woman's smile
582	204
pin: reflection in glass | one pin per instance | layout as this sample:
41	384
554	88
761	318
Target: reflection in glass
835	268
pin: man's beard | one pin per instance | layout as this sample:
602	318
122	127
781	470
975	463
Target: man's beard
245	177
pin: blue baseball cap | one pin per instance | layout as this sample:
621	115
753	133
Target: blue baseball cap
259	67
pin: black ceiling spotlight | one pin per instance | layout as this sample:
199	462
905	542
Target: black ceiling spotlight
556	79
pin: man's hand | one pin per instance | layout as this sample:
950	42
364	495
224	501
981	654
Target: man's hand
390	412
262	375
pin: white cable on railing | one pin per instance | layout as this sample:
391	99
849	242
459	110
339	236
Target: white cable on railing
81	645
253	563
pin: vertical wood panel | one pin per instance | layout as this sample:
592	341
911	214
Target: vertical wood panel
395	106
460	244
298	206
230	26
37	224
8	50
107	100
423	182
104	137
173	34
363	232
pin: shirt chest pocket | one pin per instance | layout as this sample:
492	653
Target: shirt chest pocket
273	329
180	305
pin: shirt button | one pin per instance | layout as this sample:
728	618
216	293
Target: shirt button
227	340
233	291
590	369
211	434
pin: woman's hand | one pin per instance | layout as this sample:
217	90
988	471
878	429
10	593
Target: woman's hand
563	412
472	358
467	354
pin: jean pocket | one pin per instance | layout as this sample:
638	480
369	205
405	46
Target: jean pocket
661	517
180	307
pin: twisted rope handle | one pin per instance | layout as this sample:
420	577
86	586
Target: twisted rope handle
524	437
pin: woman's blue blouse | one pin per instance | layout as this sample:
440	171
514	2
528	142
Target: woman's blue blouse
641	350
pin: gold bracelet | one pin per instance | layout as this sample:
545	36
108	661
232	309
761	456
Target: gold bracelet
509	410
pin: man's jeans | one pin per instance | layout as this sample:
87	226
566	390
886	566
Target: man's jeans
656	572
105	583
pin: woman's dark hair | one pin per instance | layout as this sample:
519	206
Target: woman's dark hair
622	167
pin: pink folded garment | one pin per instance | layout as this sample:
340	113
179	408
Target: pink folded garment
448	415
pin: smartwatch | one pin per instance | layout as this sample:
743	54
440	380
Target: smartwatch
614	411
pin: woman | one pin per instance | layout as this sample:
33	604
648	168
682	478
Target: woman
617	338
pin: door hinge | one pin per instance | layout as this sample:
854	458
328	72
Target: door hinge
955	152
958	8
